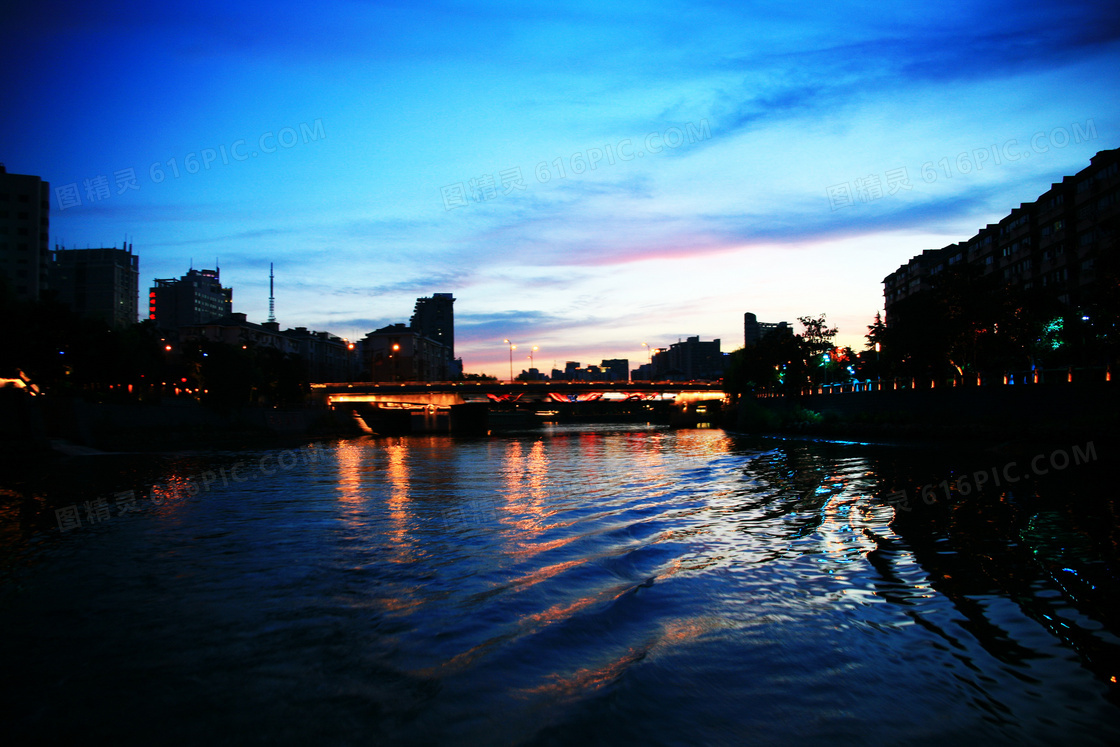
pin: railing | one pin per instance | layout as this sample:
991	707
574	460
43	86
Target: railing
1027	377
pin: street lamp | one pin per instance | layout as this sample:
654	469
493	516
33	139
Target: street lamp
395	373
649	361
533	350
512	347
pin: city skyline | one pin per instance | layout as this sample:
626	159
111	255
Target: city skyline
788	161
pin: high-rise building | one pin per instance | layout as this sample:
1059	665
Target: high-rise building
754	330
196	298
690	360
617	369
98	283
1056	244
434	318
24	232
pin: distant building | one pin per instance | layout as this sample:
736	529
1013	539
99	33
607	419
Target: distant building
399	353
690	360
237	330
533	374
754	330
616	369
1055	243
645	372
327	358
98	283
24	231
434	318
196	298
570	372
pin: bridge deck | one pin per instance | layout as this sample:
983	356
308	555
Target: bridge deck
498	387
447	393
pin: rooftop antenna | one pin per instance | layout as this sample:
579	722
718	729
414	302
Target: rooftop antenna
271	297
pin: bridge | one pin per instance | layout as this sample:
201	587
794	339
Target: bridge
481	405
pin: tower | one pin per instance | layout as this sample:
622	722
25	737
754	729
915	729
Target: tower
271	296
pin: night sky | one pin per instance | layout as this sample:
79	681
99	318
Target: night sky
765	158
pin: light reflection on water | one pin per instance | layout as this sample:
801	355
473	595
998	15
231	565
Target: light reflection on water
581	584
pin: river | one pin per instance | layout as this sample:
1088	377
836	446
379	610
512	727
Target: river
577	584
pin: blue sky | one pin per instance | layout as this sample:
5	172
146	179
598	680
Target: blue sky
340	142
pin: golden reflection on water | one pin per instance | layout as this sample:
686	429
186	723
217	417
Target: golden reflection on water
401	518
526	493
350	455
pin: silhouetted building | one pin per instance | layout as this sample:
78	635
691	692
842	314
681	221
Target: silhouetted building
325	357
690	360
196	298
24	231
616	369
98	283
533	374
1055	243
645	372
399	353
434	318
754	330
237	330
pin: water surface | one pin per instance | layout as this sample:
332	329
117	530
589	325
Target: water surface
577	585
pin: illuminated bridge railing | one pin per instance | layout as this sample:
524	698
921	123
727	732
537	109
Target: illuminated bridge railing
1024	377
454	392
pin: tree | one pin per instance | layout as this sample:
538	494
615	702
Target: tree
815	343
773	364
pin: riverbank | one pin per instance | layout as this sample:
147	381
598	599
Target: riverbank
1027	414
65	426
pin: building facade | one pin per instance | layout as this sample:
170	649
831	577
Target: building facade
1055	244
688	360
434	318
24	234
98	283
196	298
399	353
327	358
754	330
